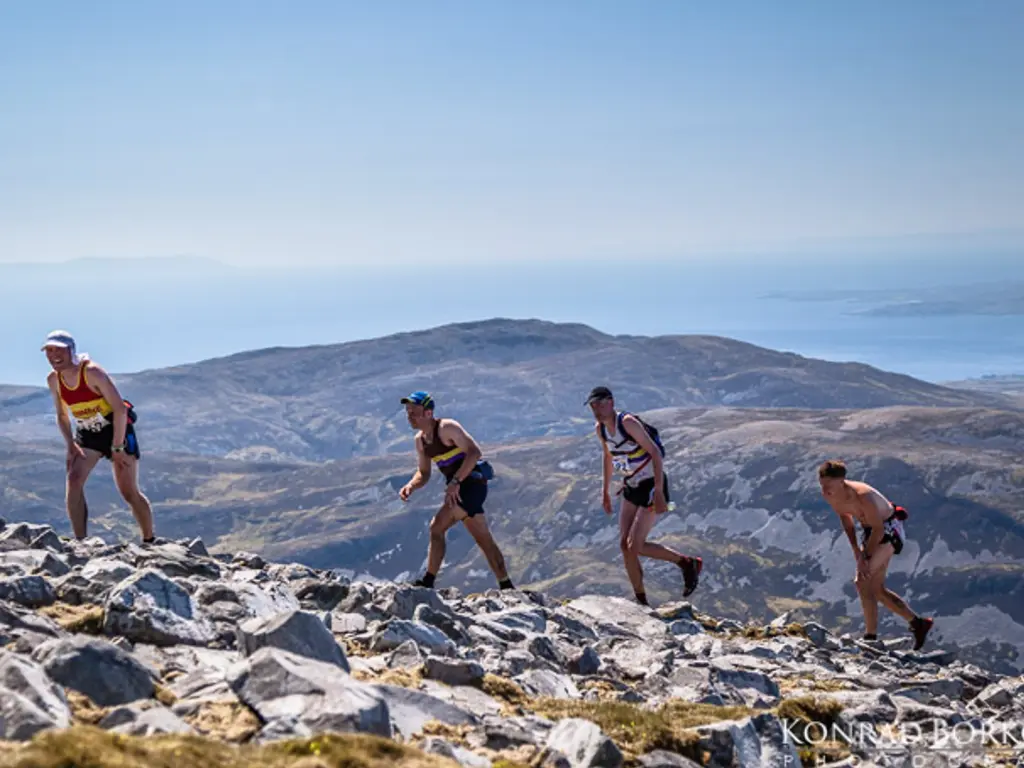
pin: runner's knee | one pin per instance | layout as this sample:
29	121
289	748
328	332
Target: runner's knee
438	527
76	478
634	545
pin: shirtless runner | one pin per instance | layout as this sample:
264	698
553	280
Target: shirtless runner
882	524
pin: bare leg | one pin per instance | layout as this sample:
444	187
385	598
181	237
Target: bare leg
886	596
477	527
126	477
74	494
443	520
643	523
627	516
868	602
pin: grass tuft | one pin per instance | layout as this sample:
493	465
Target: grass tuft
637	730
504	689
807	716
83	619
90	747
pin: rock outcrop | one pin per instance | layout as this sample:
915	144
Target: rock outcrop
167	639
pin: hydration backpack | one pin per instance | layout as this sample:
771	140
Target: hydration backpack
652	431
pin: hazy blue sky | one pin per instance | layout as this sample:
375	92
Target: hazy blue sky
332	132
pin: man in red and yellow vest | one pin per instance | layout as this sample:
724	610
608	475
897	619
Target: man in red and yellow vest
103	428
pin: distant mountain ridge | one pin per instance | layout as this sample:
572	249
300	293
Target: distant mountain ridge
507	379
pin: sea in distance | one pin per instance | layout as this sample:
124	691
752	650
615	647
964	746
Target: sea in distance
932	318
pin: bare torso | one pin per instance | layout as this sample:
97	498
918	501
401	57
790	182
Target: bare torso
861	501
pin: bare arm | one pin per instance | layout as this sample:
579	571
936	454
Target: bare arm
422	467
456	433
607	466
851	531
636	430
100	381
63	421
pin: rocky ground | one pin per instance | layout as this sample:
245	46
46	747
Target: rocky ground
164	655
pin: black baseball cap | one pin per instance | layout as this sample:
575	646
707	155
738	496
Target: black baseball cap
598	393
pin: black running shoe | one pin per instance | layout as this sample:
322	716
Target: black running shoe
691	568
920	627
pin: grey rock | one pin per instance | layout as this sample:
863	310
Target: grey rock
872	707
617	616
941	657
48	540
107	571
465	697
584	744
286	573
21	535
19	618
318	595
29	562
659	758
453	671
148	607
404	601
29	700
347	623
571	627
927	691
543	647
74	589
204	684
197	548
95	667
249	560
510	663
749	743
220	598
30	591
405	656
816	633
489	631
148	720
25	641
410	710
300	632
314	695
996	696
686	627
283	728
631	657
587	662
446	621
500	733
436	746
542	682
726	673
397	631
360	600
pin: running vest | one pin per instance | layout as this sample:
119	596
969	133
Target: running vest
89	409
449	458
628	457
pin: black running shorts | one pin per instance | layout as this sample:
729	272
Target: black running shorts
102	440
890	537
473	493
642	495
